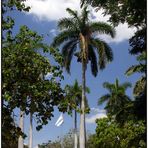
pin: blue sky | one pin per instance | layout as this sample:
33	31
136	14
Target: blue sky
43	19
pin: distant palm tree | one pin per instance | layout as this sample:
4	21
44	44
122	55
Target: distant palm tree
74	95
79	30
116	98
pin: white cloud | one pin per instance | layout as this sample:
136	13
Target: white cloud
93	118
53	32
53	10
97	114
97	110
122	33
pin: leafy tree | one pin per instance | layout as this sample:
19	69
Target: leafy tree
9	136
110	135
132	12
116	98
23	85
23	71
78	30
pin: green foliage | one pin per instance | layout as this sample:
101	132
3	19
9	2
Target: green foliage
23	76
110	135
138	41
132	12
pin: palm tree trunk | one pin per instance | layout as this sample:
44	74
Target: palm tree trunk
82	137
75	130
21	125
30	132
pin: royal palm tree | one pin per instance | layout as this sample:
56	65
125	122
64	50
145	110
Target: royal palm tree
74	96
79	30
116	98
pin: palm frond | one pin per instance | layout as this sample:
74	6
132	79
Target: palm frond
66	23
142	57
67	46
82	3
84	15
67	52
108	86
108	52
76	85
101	52
102	28
73	14
126	85
136	68
93	59
140	86
103	99
64	36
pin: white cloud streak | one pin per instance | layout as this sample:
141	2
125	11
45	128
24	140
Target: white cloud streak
122	33
97	114
53	32
49	10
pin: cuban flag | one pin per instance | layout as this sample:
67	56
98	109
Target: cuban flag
60	120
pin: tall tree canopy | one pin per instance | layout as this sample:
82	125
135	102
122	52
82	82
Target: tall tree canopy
73	30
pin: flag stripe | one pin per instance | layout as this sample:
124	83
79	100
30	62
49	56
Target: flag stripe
60	120
60	123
